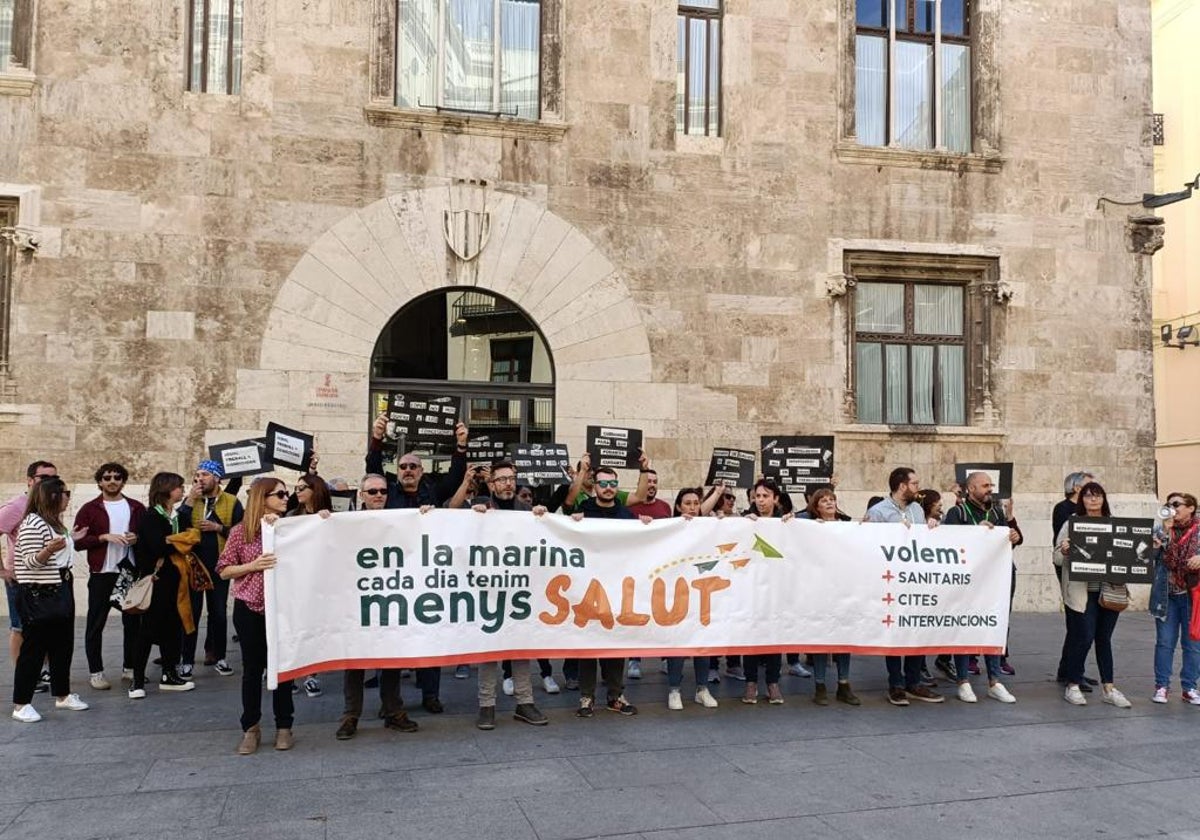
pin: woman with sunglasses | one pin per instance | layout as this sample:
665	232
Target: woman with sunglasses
1088	624
162	623
765	503
823	507
1171	601
311	496
244	562
42	557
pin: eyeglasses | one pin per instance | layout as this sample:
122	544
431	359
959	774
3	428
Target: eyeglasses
607	482
112	477
375	491
300	488
728	497
408	466
279	494
1177	504
505	479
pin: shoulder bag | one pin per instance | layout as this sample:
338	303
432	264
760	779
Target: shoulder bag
39	603
1114	596
137	599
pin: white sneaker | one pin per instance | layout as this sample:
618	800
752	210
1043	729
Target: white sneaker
137	694
126	675
1190	695
1074	696
507	687
1160	695
997	691
550	685
312	687
798	670
634	671
966	693
185	671
26	714
1116	698
98	682
72	702
674	701
704	698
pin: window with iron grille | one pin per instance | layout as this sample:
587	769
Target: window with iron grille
214	46
698	86
1157	130
913	74
474	56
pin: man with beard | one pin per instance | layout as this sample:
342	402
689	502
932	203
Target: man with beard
373	495
408	490
977	508
502	487
901	505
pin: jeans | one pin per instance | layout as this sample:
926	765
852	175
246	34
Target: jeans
352	692
1093	626
1171	630
14	620
217	600
543	666
100	588
675	671
991	663
251	628
769	662
522	685
571	669
52	641
612	671
904	672
821	664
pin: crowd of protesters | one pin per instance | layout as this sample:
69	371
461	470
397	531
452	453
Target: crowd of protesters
164	563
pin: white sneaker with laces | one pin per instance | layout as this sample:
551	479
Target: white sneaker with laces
71	702
222	667
1074	696
966	693
507	687
1114	697
704	698
550	685
26	714
1160	695
137	694
674	701
98	682
798	670
312	687
997	691
1190	695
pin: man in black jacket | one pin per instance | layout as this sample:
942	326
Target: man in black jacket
407	490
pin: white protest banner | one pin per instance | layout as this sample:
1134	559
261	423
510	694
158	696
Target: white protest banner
397	588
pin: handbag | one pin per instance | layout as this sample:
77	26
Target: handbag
137	599
124	582
199	580
39	603
1114	596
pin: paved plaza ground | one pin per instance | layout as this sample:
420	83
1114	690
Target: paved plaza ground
165	767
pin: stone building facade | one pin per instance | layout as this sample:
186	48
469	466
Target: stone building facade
188	265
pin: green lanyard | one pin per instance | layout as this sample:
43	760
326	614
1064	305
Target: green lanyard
173	518
967	510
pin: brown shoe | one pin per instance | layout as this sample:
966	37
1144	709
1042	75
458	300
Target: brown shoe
250	739
284	740
925	695
821	695
846	695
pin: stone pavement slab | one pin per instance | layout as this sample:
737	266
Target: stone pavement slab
165	766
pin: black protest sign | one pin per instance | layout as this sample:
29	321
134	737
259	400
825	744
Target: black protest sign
798	462
612	446
1000	474
1114	549
288	447
241	457
483	450
735	467
540	463
342	500
421	418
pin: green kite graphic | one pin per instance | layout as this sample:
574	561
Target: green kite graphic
765	548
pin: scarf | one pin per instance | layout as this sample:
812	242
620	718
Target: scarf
1184	545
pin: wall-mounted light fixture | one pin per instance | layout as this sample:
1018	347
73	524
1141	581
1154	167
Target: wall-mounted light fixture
1185	336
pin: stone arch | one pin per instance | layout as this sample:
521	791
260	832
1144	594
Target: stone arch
332	307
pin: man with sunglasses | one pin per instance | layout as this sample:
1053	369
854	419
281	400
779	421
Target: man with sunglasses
372	495
408	490
214	512
112	520
11	515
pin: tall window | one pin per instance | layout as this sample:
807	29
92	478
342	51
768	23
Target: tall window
698	86
8	258
913	74
481	56
6	33
214	48
910	353
16	35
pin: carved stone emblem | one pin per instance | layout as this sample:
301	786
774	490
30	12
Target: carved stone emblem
467	224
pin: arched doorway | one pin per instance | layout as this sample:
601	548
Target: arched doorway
478	347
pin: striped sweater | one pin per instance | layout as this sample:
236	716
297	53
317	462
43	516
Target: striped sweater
32	536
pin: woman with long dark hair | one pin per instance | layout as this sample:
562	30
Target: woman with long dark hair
42	557
688	504
162	624
312	496
244	562
1171	600
765	503
1088	623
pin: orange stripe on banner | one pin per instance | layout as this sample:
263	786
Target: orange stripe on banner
619	653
